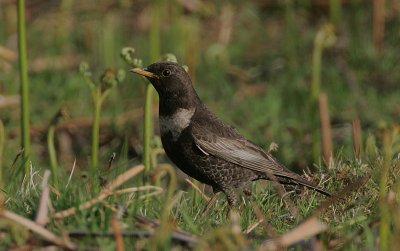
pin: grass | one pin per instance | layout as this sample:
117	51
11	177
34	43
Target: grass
343	217
24	86
99	92
252	66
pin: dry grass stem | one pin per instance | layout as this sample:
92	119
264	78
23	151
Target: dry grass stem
136	189
103	196
210	203
55	63
72	173
107	191
268	228
349	189
325	128
357	137
378	24
122	178
252	227
281	192
305	230
203	195
7	54
148	195
116	226
6	101
42	217
41	231
86	122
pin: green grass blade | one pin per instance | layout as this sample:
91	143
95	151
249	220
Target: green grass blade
24	91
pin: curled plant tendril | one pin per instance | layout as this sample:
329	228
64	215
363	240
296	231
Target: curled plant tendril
170	57
84	70
110	78
128	57
99	91
326	36
127	54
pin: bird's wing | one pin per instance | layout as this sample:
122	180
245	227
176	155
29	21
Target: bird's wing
233	147
239	151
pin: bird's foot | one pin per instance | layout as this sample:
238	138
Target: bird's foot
247	192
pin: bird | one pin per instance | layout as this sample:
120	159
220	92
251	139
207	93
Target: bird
204	147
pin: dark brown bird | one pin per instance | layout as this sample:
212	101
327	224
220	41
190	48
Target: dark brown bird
203	146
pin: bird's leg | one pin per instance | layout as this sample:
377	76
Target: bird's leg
247	192
232	199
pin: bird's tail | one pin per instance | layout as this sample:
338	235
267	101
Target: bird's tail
295	179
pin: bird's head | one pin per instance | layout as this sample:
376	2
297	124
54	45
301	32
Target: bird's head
169	79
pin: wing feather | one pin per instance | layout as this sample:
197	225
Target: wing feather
231	146
239	151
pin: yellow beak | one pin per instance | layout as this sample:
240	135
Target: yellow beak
144	73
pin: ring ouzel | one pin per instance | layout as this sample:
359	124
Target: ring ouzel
201	145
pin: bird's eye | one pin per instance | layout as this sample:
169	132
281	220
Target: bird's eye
166	73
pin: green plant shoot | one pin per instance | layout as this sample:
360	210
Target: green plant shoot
99	91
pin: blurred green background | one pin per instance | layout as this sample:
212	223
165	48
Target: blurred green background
250	61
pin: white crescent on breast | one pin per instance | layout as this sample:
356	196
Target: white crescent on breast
176	123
